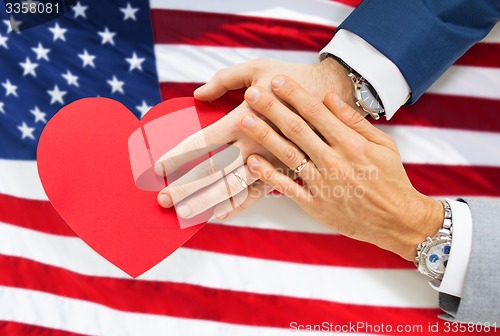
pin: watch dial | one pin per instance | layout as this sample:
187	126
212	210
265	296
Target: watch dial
437	258
370	97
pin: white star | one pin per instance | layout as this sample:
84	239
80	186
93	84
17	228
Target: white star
56	95
39	115
10	89
1	107
29	68
135	62
87	59
12	25
27	132
3	41
144	108
58	32
41	52
107	36
72	79
80	10
116	85
129	12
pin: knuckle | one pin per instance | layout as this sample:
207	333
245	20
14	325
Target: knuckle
268	106
267	174
314	108
290	155
295	127
233	185
354	118
291	93
219	75
264	135
178	193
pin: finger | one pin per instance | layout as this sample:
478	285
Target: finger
241	201
268	174
283	149
232	78
356	121
217	192
195	146
289	123
309	107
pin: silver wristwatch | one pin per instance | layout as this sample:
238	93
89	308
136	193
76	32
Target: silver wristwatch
432	254
366	96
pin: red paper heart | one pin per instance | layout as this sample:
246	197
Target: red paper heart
85	169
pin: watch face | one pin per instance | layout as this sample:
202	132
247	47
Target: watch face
369	97
437	257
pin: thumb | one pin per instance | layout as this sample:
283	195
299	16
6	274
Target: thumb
353	119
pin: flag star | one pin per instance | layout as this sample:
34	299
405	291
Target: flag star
56	95
116	85
87	59
71	79
27	132
107	36
58	32
3	41
28	67
10	89
144	108
1	107
135	62
41	52
80	10
12	25
39	115
129	12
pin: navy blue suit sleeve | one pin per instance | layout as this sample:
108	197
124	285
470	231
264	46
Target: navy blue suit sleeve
423	38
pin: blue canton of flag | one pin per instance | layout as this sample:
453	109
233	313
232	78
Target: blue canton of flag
100	48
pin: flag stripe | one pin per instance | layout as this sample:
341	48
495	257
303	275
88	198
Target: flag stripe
231	30
316	12
8	328
431	110
370	287
211	304
322	249
187	63
96	319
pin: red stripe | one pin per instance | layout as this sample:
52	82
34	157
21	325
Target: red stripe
455	180
431	110
456	112
317	249
197	302
9	328
231	30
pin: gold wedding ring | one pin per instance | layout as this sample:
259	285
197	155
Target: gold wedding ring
301	166
240	179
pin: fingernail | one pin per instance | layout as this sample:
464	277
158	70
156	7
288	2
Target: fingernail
278	82
220	214
165	200
199	89
252	95
253	163
183	210
248	121
159	169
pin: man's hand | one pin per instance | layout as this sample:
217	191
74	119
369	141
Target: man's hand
354	180
318	79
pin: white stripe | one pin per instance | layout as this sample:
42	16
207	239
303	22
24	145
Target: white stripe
20	179
186	63
446	146
83	317
417	145
494	35
313	11
376	287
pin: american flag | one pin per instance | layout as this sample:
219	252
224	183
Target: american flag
267	270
